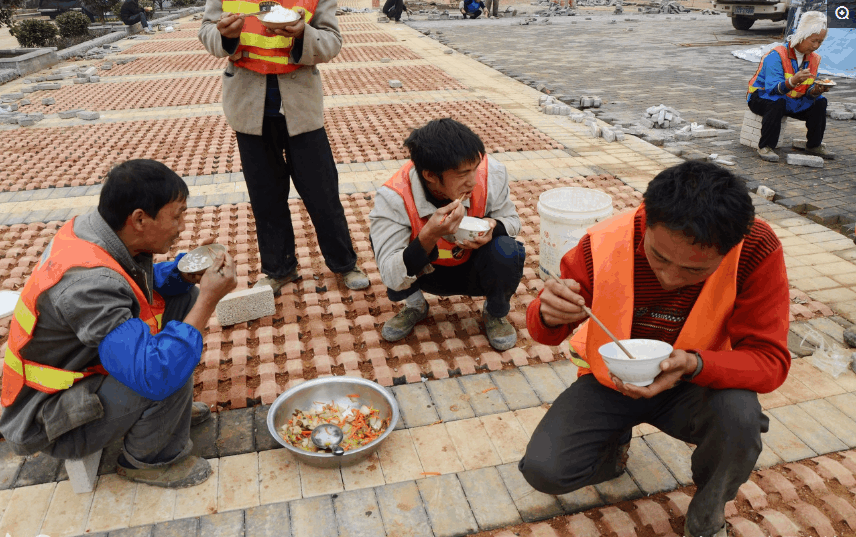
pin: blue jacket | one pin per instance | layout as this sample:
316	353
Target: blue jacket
771	82
154	366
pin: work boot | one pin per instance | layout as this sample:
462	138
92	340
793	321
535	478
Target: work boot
199	413
355	279
277	283
768	154
501	335
723	532
402	324
621	460
821	151
187	472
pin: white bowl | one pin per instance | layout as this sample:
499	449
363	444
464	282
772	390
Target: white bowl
470	229
649	353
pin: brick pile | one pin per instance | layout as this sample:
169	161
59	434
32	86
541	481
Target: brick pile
814	497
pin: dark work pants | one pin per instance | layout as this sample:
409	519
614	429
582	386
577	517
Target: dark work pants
156	433
269	161
773	112
139	17
576	442
393	9
492	271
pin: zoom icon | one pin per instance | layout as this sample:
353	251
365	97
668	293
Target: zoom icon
841	14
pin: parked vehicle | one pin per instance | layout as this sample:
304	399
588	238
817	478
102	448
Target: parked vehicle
744	13
52	8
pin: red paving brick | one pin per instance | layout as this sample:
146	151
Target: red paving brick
357	27
164	46
81	155
373	54
376	37
167	64
184	33
139	94
367	80
366	133
652	514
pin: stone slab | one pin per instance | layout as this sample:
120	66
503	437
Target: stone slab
490	502
222	524
451	401
619	489
515	389
266	520
358	514
544	381
531	504
649	473
246	305
235	432
314	516
484	396
832	419
415	404
580	500
674	453
784	443
402	512
808	429
446	505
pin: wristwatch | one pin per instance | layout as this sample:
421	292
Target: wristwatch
699	366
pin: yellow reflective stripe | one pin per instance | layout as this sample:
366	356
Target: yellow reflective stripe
25	317
753	89
263	41
579	362
50	378
13	361
445	254
231	6
53	379
159	320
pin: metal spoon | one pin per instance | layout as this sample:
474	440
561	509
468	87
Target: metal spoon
328	436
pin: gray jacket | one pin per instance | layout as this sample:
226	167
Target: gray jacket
302	94
390	225
74	316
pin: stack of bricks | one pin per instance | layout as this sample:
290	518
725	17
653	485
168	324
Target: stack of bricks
750	134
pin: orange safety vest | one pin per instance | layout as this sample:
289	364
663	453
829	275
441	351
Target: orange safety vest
784	54
66	251
259	49
450	254
612	298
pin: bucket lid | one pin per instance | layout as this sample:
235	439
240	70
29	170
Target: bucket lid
8	301
572	199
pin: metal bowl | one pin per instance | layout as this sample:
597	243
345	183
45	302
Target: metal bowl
314	394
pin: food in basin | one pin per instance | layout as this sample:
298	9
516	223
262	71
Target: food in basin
642	370
359	425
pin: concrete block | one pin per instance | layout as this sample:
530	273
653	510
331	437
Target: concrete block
595	130
95	79
69	114
12	107
106	66
840	114
812	161
55	77
654	140
647	123
683	136
578	118
48	101
608	135
12	96
80	80
597	102
29	89
394	83
83	472
705	133
246	305
26	122
766	193
385	60
717	123
798	143
619	136
90	116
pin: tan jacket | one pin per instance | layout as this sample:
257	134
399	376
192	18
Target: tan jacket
302	94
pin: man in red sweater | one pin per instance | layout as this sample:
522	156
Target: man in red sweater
691	267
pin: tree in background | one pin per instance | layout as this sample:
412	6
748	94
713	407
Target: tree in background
101	8
7	9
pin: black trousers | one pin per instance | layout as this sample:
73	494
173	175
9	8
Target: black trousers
393	9
269	161
492	271
773	112
576	443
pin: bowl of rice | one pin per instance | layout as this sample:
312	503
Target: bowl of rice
365	411
278	18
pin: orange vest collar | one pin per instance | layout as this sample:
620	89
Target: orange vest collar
613	290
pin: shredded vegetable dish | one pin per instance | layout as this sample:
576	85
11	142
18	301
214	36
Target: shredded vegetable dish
360	426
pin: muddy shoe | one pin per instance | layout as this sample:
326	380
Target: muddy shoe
501	335
199	413
821	151
768	154
402	324
187	472
355	279
277	283
621	459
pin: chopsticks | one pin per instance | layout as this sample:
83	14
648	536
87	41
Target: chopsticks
592	315
460	200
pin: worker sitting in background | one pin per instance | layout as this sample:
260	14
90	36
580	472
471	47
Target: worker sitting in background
131	13
785	85
103	342
422	204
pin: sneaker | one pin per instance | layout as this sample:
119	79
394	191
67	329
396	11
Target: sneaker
188	472
277	283
402	324
821	151
768	154
199	413
501	335
355	279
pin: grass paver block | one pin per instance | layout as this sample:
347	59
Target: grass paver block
515	389
531	504
266	520
415	404
357	513
401	510
566	371
246	305
490	502
450	400
446	506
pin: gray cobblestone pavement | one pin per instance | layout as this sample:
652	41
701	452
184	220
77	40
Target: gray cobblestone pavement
634	62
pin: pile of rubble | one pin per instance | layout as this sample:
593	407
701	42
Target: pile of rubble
81	74
98	53
661	117
841	111
555	10
553	107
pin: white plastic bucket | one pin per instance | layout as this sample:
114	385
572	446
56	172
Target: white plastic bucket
566	214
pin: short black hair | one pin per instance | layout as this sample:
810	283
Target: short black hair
138	184
703	200
442	145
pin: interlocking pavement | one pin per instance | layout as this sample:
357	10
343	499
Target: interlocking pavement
449	468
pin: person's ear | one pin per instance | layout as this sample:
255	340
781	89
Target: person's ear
432	178
137	220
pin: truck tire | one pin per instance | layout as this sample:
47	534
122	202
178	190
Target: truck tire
741	22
